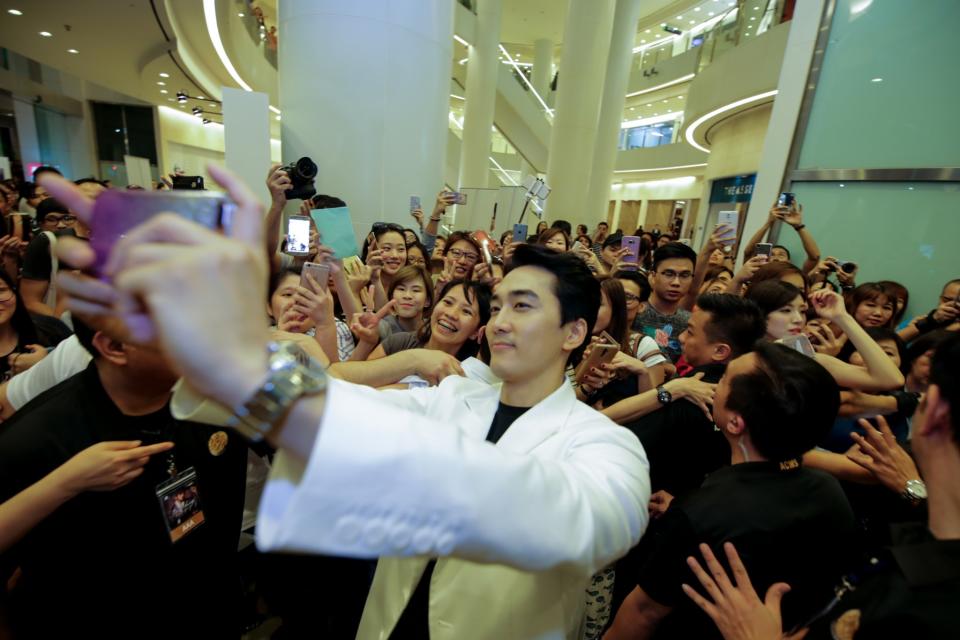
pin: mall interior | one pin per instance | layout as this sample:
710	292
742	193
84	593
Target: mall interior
641	113
662	119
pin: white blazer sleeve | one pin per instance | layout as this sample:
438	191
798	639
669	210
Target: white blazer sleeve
383	481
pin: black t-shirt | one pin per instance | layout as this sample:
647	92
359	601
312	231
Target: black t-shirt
104	559
36	262
414	623
792	525
911	590
681	443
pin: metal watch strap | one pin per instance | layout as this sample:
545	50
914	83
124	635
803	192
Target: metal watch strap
256	417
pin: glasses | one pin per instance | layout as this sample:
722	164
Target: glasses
631	298
463	255
54	219
6	295
670	274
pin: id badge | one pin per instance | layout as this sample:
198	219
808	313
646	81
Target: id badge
180	503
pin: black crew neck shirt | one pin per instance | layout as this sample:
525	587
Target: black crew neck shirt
790	525
414	622
104	559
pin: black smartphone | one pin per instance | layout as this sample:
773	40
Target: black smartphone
188	183
786	199
763	249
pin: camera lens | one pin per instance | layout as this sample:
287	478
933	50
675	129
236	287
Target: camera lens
306	168
849	267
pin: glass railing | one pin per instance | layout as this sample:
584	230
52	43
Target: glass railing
263	34
713	36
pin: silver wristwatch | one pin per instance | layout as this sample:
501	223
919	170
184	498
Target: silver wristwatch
292	374
915	491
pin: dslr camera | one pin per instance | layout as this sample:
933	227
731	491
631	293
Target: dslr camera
302	173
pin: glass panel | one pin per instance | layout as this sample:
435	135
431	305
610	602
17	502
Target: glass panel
901	231
887	92
53	139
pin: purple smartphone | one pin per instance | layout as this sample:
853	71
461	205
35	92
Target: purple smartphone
116	212
632	243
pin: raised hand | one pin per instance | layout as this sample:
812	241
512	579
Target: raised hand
823	339
736	609
879	453
366	325
278	182
314	302
828	304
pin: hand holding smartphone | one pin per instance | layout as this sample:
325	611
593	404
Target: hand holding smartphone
519	233
298	236
632	243
116	212
763	249
319	271
602	352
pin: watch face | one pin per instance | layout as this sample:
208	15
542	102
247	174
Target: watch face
917	489
664	396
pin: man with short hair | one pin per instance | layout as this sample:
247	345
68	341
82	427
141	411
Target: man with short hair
599	235
946	315
790	524
664	319
105	561
564	226
37	284
636	289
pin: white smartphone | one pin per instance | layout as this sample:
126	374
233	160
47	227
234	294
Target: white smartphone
320	272
728	219
298	236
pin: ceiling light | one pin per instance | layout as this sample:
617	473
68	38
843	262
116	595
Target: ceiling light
461	40
647	31
842	185
241	14
679	17
649	104
163	91
46	34
182	107
15	12
213	104
664	100
161	83
206	122
276	117
692	21
696	8
753	17
274	109
876	80
200	98
710	14
197	111
164	74
170	100
643	42
756	8
181	96
116	130
72	51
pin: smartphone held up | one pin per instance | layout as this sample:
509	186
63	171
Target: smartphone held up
298	236
116	212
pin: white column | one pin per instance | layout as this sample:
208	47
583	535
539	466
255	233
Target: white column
481	96
26	131
364	90
246	136
542	66
586	41
619	59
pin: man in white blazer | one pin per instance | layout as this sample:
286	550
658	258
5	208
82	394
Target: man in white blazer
518	527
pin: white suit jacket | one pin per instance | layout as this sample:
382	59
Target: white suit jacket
519	526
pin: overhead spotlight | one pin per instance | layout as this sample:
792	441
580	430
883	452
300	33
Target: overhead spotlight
15	12
72	51
197	111
164	74
163	90
46	34
205	121
675	31
181	96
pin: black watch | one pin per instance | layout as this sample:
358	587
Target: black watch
664	396
799	226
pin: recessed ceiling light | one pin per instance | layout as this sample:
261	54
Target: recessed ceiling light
649	104
116	130
161	83
679	17
876	80
753	17
164	74
710	14
213	104
842	185
46	34
696	8
692	21
170	100
15	12
643	42
664	100
240	15
200	98
163	91
72	51
647	31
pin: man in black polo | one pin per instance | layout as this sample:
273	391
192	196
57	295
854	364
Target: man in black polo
153	558
789	524
680	439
